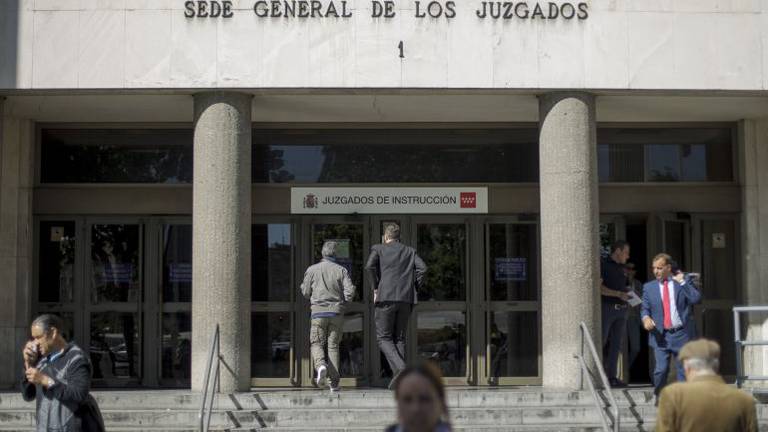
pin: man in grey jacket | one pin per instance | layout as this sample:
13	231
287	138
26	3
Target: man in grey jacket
58	376
328	287
396	272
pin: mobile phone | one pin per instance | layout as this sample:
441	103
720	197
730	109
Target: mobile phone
675	268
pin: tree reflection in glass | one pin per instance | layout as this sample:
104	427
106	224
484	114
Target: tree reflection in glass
115	263
442	338
443	249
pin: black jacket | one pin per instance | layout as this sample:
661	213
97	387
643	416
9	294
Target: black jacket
67	406
396	271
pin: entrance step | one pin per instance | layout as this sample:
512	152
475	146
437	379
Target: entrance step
508	409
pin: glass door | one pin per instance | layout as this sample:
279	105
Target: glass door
440	321
717	253
175	279
352	238
676	239
59	261
114	289
274	291
512	280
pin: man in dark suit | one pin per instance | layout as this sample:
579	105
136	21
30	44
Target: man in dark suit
667	314
396	272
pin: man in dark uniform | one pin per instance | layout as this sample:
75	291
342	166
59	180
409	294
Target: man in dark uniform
614	295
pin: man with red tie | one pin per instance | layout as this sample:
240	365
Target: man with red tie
667	314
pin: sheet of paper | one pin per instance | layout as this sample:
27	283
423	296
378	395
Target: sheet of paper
634	300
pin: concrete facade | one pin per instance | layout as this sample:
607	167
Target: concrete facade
569	240
754	156
623	44
143	62
221	248
16	252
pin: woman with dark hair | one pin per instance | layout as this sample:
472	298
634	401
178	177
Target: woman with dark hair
421	403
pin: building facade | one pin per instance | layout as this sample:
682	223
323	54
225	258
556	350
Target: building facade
170	166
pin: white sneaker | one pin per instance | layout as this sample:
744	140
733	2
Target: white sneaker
335	389
322	373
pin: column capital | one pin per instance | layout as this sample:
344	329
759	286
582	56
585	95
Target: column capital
238	100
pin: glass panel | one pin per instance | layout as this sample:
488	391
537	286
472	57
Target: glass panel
514	344
663	163
607	237
513	263
270	344
351	348
115	263
115	345
272	262
665	154
674	242
443	247
719	158
177	263
385	156
57	262
603	163
116	156
176	345
620	162
694	162
719	274
718	325
349	251
442	337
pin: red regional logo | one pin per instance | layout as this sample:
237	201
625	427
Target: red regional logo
468	199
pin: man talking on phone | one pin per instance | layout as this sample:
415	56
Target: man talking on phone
667	315
57	374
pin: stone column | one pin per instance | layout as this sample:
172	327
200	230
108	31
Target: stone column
16	179
221	236
569	233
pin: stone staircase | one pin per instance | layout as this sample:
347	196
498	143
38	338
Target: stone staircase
472	409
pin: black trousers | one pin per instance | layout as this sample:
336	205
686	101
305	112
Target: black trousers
391	327
614	329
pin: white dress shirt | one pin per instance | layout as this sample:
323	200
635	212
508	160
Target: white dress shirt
676	321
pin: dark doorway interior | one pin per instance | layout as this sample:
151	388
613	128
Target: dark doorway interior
636	236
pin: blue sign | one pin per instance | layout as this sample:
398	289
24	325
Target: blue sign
511	270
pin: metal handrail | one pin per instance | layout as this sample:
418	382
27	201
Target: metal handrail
206	411
741	344
586	339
